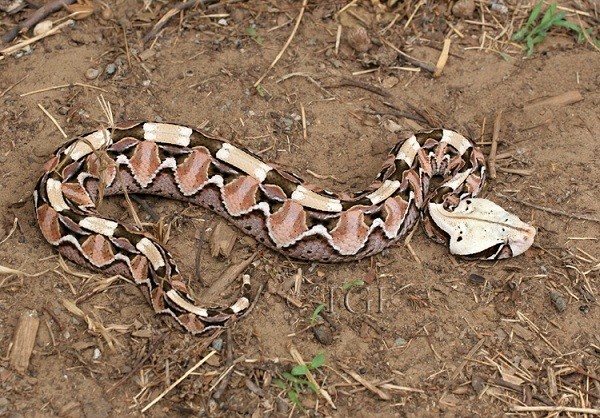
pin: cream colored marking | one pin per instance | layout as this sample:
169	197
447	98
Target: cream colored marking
457	180
147	247
244	161
408	150
185	305
167	133
82	148
55	195
240	305
456	140
386	190
99	225
310	199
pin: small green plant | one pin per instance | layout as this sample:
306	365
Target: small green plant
316	312
296	381
250	31
535	31
351	284
261	91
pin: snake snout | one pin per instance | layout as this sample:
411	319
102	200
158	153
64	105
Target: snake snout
520	242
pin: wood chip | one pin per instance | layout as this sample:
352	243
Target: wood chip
383	395
227	278
24	340
222	240
439	67
522	332
146	54
563	99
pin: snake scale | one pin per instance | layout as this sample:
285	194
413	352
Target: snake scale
272	205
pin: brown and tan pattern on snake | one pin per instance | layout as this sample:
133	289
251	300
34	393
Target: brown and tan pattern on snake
276	207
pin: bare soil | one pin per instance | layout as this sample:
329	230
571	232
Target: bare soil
432	334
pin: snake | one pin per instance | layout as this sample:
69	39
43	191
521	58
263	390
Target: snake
432	175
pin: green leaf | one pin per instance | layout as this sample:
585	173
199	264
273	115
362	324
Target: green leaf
569	25
279	383
353	283
261	92
520	34
504	56
300	370
290	377
535	12
547	19
254	35
303	382
316	313
317	361
313	387
294	398
530	46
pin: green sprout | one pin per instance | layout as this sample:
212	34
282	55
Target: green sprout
296	379
354	283
250	31
535	31
316	313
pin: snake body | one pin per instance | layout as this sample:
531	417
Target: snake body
274	206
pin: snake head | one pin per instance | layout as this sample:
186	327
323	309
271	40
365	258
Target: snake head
479	228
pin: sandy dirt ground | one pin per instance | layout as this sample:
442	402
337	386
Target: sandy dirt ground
423	333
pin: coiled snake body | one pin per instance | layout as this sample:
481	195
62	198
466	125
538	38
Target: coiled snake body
274	206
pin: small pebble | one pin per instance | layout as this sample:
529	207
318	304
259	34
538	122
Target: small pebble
389	82
217	344
399	342
464	9
476	279
146	83
97	354
323	334
92	73
27	50
110	69
359	39
222	22
558	300
42	27
107	13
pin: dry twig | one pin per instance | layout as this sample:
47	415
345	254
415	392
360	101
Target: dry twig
33	39
172	12
354	83
285	46
39	15
551	210
178	381
54	121
494	149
